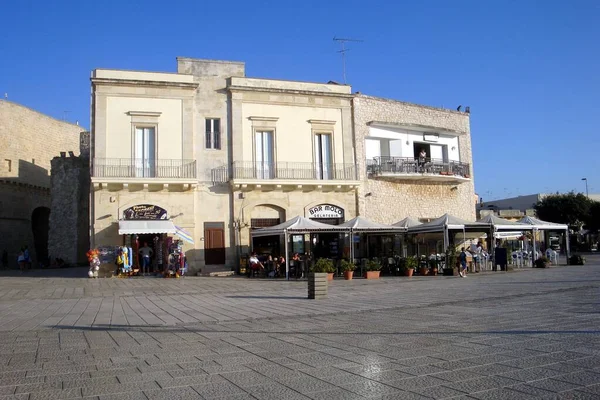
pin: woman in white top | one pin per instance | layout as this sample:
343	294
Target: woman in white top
255	264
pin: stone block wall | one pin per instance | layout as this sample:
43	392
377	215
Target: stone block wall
389	202
29	142
33	140
69	217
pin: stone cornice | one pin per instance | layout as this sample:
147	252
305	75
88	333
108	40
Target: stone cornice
131	82
288	91
416	127
406	103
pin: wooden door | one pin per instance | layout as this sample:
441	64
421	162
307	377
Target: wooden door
214	245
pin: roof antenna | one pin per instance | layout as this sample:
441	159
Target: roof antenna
344	50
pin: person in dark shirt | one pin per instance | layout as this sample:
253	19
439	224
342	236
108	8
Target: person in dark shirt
463	263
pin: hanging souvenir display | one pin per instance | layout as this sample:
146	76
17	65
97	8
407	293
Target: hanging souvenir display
94	261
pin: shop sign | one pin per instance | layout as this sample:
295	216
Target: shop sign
145	212
326	211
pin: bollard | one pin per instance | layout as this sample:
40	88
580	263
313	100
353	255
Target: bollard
317	285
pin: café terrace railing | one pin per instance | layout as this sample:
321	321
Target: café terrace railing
283	170
410	165
142	168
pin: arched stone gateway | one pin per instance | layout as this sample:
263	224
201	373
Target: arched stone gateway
40	226
263	216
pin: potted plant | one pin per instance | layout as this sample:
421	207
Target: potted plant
408	265
433	267
423	266
348	268
324	265
318	277
452	263
373	269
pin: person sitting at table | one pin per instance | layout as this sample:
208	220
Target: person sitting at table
270	267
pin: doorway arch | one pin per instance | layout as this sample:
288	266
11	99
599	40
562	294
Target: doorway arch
40	225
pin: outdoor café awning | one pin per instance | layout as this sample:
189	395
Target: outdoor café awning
297	225
501	224
360	224
131	227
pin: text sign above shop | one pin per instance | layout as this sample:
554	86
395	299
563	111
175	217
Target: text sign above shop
326	211
146	212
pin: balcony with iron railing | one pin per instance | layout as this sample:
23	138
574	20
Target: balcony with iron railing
131	169
284	172
410	168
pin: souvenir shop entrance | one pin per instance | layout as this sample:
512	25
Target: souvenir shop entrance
149	244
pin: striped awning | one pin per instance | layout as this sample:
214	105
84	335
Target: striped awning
184	235
132	227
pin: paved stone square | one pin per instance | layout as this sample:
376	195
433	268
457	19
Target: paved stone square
517	335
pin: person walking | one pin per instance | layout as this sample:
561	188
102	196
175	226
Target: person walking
463	263
21	259
27	258
146	253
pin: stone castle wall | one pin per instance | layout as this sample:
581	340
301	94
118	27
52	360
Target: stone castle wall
69	219
389	202
29	141
32	141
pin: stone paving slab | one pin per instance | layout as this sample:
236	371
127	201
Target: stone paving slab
528	334
26	303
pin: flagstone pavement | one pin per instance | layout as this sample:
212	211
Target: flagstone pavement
517	335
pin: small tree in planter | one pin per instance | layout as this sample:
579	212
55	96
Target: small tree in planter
408	265
324	265
347	268
451	267
318	277
411	265
373	269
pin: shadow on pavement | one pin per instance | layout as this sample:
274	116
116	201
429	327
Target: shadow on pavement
268	297
70	272
181	329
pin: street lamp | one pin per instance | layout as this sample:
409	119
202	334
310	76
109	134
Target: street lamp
586	187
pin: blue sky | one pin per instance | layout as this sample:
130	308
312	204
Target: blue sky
529	70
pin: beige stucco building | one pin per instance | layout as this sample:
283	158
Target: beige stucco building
212	154
216	154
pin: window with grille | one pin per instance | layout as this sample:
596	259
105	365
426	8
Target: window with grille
263	222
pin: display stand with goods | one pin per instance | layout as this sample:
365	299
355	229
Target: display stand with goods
94	261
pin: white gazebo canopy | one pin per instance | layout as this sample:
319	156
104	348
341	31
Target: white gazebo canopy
501	224
360	224
446	222
297	225
407	223
363	225
538	224
544	225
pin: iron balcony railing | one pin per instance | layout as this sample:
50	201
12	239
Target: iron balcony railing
284	170
410	165
143	168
